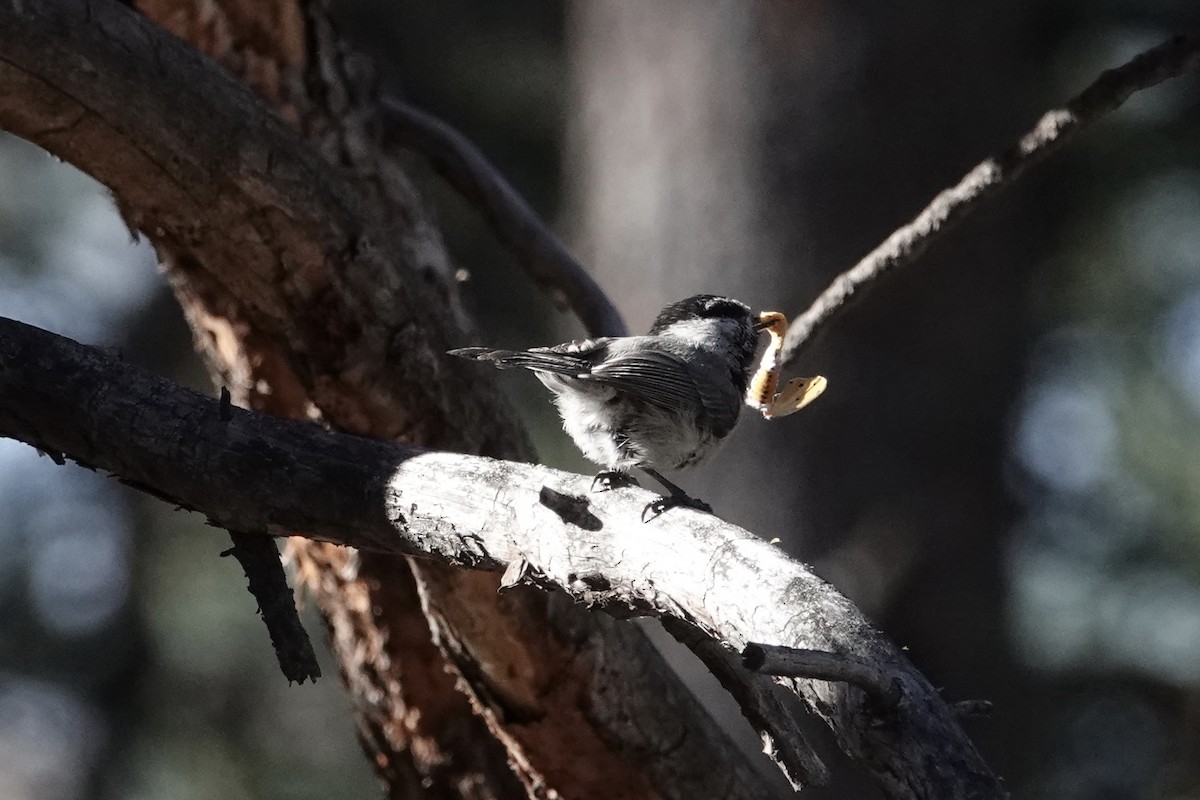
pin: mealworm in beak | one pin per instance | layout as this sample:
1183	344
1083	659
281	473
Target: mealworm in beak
798	392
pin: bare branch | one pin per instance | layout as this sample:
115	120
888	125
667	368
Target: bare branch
277	604
987	179
540	252
259	473
762	704
794	663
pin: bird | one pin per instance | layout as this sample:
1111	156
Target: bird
662	401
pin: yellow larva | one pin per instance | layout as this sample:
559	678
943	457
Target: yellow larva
761	393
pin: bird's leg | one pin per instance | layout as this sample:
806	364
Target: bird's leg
675	499
612	479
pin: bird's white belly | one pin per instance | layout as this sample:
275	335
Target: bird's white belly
653	437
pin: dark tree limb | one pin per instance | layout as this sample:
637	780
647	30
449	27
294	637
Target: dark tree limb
990	177
260	473
794	663
268	584
537	248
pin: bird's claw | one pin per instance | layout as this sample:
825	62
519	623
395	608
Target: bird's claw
612	479
653	510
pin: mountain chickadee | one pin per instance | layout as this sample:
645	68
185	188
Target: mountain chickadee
660	401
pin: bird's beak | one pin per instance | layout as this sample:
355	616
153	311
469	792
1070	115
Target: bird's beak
770	320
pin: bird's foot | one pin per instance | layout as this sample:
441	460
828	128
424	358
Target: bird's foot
679	500
612	479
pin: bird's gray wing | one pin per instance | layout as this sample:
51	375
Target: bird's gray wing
635	366
673	382
573	359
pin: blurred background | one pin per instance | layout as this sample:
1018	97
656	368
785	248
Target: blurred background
1001	474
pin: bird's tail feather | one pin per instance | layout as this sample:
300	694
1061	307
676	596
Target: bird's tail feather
539	361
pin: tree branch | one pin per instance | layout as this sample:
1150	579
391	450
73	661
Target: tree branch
542	254
786	661
762	703
259	473
276	603
987	179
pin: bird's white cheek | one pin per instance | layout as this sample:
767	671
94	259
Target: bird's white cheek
699	332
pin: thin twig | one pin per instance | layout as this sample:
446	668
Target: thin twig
540	252
792	662
1056	126
268	584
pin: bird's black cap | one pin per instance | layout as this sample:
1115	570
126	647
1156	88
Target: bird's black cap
700	306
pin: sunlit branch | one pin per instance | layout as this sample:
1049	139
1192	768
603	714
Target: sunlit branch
256	473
